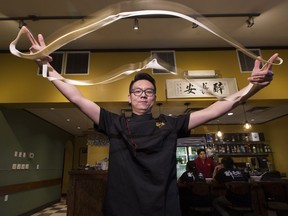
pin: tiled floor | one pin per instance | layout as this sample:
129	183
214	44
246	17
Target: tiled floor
58	209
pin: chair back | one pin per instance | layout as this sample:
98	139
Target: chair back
239	192
275	191
271	175
201	194
201	198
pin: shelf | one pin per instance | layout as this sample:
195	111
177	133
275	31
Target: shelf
237	143
243	154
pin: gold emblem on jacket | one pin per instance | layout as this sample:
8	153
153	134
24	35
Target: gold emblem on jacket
160	124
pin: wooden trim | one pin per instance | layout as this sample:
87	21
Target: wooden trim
16	188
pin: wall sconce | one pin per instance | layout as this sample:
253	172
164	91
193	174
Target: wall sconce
200	74
136	24
247	125
250	21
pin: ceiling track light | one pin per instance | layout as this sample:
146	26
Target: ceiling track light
194	25
136	24
250	21
21	24
247	125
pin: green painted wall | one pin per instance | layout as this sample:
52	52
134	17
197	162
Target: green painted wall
23	132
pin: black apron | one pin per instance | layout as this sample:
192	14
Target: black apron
142	164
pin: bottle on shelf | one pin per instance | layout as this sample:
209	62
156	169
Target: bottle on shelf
254	149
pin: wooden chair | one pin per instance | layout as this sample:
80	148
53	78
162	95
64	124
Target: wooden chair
270	176
275	196
242	193
201	199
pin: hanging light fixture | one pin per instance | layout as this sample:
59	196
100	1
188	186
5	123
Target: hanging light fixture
219	132
95	138
136	24
247	125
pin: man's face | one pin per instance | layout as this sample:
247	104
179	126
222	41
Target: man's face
144	102
202	155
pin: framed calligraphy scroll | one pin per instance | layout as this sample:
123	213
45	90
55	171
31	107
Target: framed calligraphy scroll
198	88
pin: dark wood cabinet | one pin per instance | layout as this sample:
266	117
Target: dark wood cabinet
86	192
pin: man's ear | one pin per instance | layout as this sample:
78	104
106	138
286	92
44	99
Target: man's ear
129	99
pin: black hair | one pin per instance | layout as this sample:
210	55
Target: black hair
142	76
200	150
227	162
191	166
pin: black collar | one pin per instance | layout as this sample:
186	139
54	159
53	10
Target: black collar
146	116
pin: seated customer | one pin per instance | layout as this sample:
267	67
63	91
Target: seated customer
191	174
228	174
217	168
204	164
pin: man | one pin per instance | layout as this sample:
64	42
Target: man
229	172
204	164
142	161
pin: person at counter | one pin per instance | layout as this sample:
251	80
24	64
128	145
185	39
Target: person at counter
191	174
142	155
204	164
228	174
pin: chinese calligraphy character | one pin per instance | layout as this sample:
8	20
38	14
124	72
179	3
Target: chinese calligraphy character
218	87
190	89
204	88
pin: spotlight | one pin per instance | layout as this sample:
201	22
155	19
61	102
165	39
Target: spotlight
250	21
136	24
21	24
194	25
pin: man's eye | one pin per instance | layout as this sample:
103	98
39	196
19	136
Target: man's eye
137	91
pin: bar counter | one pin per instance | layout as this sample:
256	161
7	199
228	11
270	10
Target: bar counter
278	190
87	189
86	192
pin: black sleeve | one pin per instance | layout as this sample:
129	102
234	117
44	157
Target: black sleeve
106	120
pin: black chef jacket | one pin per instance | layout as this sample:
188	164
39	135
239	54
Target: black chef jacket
142	164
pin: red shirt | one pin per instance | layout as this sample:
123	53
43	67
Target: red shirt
205	168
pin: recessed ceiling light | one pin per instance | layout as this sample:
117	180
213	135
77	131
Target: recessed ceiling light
78	127
52	108
68	120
